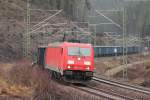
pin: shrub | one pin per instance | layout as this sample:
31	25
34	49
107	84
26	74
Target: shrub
23	73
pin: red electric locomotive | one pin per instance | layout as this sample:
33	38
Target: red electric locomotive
74	62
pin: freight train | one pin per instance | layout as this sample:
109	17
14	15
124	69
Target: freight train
101	51
72	62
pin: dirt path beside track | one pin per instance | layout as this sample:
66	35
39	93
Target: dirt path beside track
115	70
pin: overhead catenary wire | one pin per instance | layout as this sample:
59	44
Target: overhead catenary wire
108	19
46	20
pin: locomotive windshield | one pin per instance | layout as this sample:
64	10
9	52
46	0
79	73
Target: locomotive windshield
78	51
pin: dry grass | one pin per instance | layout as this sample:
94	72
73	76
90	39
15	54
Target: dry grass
25	75
138	74
14	90
24	81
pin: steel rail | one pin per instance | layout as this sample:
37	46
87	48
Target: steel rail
104	94
100	93
114	94
122	85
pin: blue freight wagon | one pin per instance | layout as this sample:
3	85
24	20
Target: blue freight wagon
113	50
41	55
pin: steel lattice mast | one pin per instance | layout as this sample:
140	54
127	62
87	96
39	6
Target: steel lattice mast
26	36
125	48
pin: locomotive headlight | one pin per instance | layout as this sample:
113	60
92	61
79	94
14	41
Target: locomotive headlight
69	67
87	63
70	62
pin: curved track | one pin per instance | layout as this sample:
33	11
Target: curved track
104	94
109	94
122	85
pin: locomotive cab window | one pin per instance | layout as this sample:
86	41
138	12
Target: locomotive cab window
78	51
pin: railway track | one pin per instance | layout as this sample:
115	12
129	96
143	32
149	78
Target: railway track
123	85
103	94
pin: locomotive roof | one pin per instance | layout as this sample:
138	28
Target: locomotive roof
56	44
